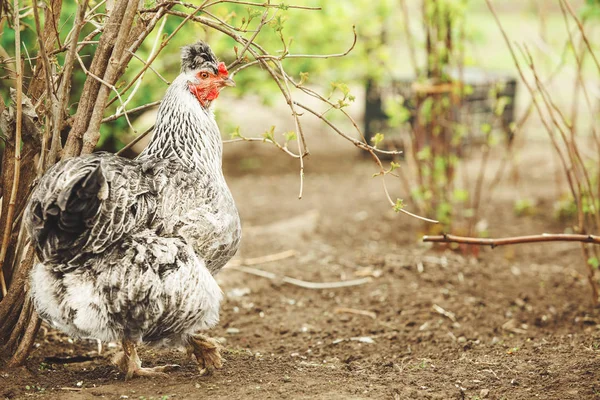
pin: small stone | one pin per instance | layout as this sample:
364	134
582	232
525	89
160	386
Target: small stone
238	292
519	303
287	379
484	393
462	339
233	331
363	339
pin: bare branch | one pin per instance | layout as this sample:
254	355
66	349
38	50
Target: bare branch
240	55
534	99
65	84
92	134
354	141
325	56
301	283
151	68
132	111
92	87
264	140
139	81
544	237
582	30
10	209
134	141
263	259
50	92
111	87
266	4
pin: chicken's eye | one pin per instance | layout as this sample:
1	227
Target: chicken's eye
203	75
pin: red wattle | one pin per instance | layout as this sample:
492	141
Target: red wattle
213	94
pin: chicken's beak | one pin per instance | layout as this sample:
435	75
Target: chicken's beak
227	82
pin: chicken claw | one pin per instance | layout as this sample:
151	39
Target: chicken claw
130	364
207	352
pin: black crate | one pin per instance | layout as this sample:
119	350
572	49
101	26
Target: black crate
483	90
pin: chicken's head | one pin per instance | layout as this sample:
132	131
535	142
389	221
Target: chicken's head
206	75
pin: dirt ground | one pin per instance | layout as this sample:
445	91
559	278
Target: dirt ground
516	323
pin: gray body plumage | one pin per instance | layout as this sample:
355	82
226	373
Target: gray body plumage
129	248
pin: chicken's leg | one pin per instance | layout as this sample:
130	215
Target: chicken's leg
130	364
207	352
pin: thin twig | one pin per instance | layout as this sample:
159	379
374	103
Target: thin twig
265	4
138	84
50	92
299	134
134	141
582	30
263	259
111	87
346	310
151	68
132	111
264	140
448	314
544	237
301	283
534	99
240	55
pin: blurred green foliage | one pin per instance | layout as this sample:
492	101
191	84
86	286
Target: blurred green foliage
591	9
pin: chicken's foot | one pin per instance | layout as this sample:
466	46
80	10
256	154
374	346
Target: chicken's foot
207	352
130	364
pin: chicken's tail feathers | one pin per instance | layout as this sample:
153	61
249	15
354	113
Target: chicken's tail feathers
67	198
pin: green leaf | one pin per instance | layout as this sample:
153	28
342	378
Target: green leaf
253	13
394	165
501	105
594	262
395	110
270	134
524	207
236	133
342	87
486	128
460	195
289	136
399	205
341	104
424	154
277	23
303	78
378	138
426	108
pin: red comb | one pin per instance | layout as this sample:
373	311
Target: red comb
223	69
